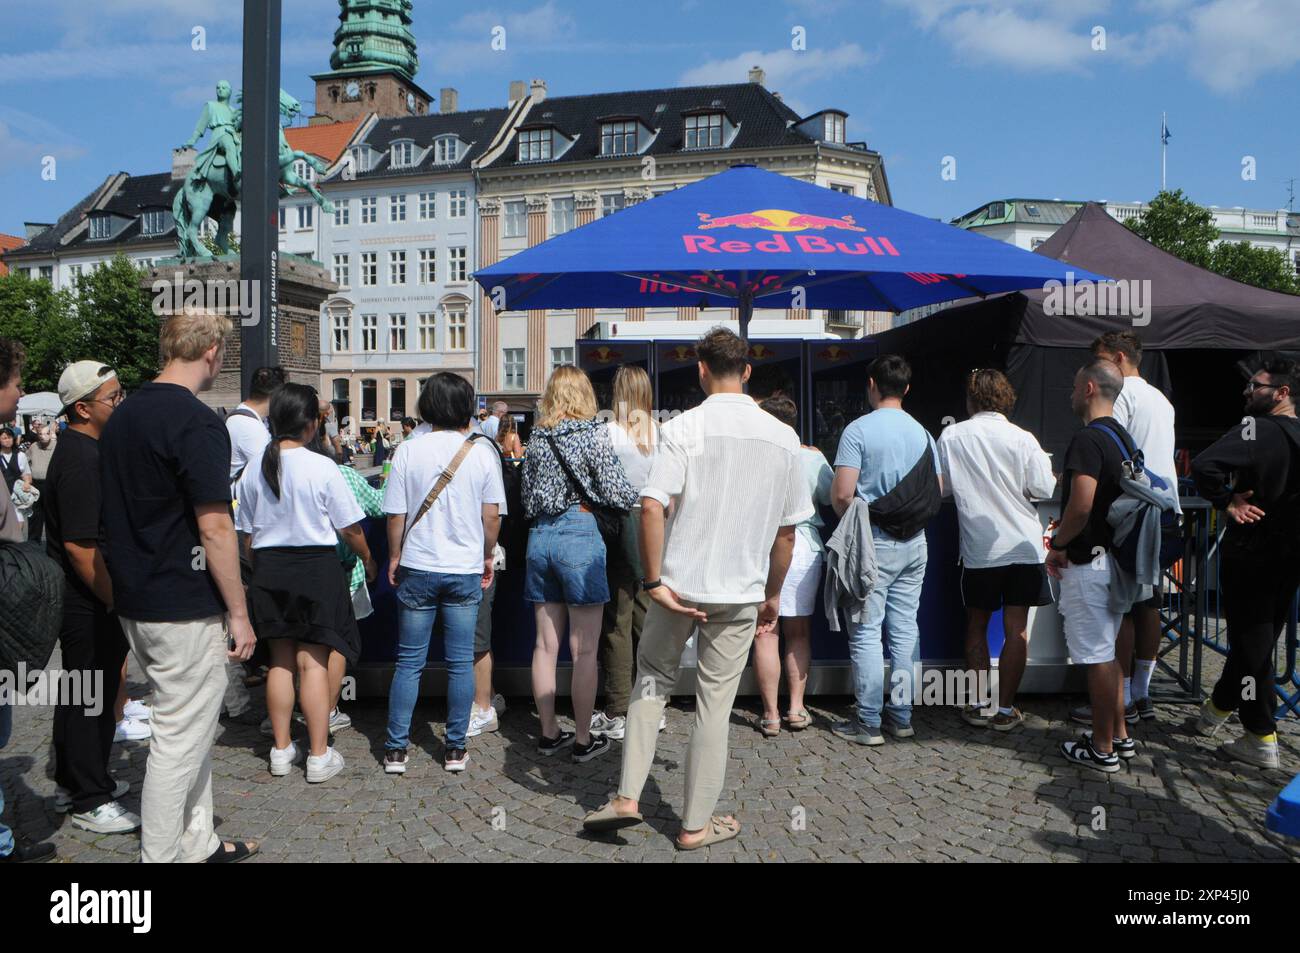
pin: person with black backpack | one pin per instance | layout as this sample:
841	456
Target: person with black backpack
889	460
1253	474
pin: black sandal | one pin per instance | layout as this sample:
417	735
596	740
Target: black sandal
241	852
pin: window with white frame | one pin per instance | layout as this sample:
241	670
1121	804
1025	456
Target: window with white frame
101	226
457	203
342	212
612	202
343	270
284	217
156	221
512	363
446	150
563	216
514	219
397	267
369	209
360	158
47	272
341	324
370	332
428	266
426	330
306	216
428	206
458	263
457	331
840	187
369	268
304	170
704	131
561	356
618	138
834	128
397	208
403	154
535	145
397	332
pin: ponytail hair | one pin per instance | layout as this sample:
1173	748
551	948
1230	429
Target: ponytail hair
294	407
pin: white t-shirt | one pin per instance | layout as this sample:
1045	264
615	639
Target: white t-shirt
24	465
449	537
636	465
248	438
491	425
1148	416
314	501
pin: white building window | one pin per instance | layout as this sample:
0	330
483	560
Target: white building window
403	154
306	216
446	150
156	222
428	206
397	267
845	189
704	132
369	269
563	217
457	203
426	329
457	334
618	138
612	202
513	366
369	209
343	270
47	272
428	266
370	332
514	220
342	213
284	217
458	262
535	145
304	170
342	327
360	158
397	208
561	356
101	226
397	332
834	128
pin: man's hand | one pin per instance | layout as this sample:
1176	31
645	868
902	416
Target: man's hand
1243	512
241	630
767	615
488	573
392	570
668	599
1056	561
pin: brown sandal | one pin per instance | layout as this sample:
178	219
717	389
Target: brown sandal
798	720
719	829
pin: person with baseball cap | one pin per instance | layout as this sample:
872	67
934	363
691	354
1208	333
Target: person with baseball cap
91	639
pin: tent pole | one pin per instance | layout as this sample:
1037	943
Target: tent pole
746	312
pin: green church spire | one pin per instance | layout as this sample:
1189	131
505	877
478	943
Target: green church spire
375	34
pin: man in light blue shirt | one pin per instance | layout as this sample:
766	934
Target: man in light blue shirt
881	454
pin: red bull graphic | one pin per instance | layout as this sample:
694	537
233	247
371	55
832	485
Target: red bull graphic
605	355
681	353
833	354
780	221
928	278
760	352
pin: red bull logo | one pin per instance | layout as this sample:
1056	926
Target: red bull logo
833	353
760	352
606	355
779	222
681	353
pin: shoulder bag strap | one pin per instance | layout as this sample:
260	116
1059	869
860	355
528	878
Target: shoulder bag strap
564	465
439	485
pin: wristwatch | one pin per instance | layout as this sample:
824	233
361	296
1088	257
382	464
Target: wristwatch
648	584
1060	549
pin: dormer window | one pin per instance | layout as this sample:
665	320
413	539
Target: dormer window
155	222
304	171
833	127
402	154
618	138
360	156
704	131
446	150
101	226
535	145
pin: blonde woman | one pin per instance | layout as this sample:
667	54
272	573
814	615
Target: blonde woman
569	469
634	434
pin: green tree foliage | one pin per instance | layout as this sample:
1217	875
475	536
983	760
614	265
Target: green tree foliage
43	320
1261	267
1178	225
121	327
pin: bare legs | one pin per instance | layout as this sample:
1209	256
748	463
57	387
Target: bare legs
583	624
768	662
313	665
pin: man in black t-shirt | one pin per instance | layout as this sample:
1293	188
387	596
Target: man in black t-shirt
1080	559
169	543
1253	473
91	638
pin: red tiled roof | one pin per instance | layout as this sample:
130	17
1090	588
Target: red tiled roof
326	141
8	243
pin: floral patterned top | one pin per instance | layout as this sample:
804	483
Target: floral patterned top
587	450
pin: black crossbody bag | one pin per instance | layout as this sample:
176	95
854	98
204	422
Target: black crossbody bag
609	519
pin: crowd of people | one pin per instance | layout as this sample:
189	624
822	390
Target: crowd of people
217	551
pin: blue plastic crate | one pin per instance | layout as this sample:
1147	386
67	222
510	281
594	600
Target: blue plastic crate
1284	813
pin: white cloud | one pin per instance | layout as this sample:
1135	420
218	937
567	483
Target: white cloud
1008	38
1237	42
785	68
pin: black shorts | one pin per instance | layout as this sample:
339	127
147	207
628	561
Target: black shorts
483	625
1157	601
1020	584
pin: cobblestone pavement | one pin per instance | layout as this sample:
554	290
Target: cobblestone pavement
952	793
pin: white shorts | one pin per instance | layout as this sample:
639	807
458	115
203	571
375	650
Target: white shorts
799	591
1090	626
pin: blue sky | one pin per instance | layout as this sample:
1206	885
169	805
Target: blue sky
1012	89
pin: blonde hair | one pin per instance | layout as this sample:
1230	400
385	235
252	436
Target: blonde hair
568	397
188	335
632	410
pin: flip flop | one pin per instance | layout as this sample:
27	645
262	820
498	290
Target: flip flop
242	851
798	720
605	819
717	832
769	727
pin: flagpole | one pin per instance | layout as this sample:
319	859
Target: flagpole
1164	148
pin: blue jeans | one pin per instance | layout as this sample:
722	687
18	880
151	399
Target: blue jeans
893	603
566	560
6	728
421	596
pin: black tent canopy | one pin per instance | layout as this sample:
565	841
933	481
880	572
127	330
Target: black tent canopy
1195	326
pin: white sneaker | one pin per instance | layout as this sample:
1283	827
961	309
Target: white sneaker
481	721
338	720
663	722
613	728
499	703
283	759
110	818
63	797
128	729
136	710
325	767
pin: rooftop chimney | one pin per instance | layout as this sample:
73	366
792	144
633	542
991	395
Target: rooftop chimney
756	75
518	90
537	89
182	162
447	100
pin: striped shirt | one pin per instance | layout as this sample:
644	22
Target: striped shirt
736	475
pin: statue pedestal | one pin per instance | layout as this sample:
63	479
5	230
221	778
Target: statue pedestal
303	285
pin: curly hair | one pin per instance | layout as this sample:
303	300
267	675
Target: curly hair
568	396
12	358
989	390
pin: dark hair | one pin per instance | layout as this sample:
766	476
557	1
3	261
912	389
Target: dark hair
447	401
409	422
768	379
892	374
723	352
989	390
1106	376
266	381
1120	342
294	407
1283	373
783	409
12	358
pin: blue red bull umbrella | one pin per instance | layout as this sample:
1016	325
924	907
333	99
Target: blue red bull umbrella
749	238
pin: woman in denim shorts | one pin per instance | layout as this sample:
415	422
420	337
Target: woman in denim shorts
565	574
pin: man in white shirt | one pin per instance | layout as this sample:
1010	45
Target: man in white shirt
995	470
492	424
734	474
247	423
1148	416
